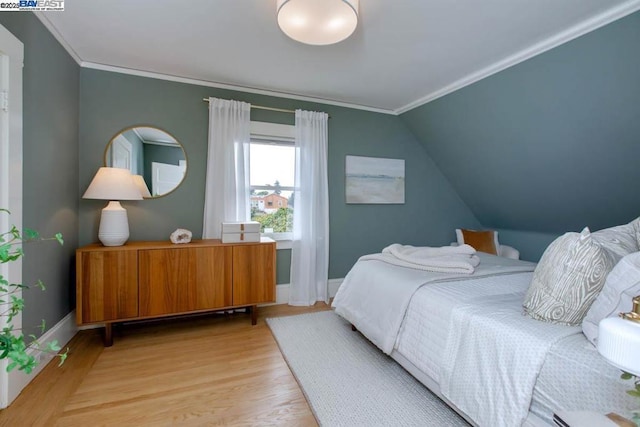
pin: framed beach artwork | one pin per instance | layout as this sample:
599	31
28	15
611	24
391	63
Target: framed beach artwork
372	180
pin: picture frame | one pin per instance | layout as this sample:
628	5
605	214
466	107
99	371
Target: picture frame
374	180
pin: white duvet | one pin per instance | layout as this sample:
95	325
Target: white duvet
374	295
494	354
489	353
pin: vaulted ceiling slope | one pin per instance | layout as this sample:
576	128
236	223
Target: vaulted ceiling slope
549	145
402	54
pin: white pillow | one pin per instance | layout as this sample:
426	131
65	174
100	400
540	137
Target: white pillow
567	280
621	240
622	284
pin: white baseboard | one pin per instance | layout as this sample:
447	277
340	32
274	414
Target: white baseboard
62	331
282	291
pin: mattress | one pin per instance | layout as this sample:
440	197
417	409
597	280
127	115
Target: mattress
573	376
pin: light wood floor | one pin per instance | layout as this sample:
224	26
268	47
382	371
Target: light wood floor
210	370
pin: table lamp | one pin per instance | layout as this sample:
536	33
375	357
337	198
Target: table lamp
619	339
113	184
142	186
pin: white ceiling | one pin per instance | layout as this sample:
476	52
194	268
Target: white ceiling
403	53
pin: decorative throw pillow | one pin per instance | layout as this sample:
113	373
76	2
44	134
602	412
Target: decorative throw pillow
481	241
567	279
621	240
622	284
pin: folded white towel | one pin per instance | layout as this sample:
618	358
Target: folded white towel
447	259
404	251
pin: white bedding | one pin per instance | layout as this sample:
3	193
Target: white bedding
374	295
424	332
458	330
462	336
494	354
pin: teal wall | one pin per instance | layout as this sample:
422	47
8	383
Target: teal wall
111	101
549	145
50	178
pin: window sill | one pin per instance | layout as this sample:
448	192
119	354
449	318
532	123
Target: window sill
283	244
283	240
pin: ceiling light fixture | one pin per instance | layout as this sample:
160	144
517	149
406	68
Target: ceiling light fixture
318	22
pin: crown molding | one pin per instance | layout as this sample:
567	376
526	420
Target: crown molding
218	85
569	34
574	32
55	33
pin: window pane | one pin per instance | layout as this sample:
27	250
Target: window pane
271	163
272	166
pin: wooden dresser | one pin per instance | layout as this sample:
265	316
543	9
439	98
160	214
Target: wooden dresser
144	280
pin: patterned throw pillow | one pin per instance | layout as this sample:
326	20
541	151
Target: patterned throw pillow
621	240
568	278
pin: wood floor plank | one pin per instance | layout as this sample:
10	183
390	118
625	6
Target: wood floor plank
204	370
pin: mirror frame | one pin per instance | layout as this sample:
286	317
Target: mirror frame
184	153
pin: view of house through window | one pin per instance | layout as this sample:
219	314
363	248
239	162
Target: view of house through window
272	168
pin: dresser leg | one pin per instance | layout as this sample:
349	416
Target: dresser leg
254	314
108	335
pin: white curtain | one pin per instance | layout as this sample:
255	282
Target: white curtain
227	184
310	248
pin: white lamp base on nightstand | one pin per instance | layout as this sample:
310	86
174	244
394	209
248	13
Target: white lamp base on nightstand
114	225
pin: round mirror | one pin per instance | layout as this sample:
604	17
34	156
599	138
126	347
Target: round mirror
154	156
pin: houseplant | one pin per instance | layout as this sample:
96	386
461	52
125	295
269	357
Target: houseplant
13	344
635	392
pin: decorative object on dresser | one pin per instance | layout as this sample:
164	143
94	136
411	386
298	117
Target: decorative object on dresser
181	236
240	231
113	184
145	280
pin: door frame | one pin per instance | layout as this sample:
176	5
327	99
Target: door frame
11	61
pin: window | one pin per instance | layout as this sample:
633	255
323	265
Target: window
271	178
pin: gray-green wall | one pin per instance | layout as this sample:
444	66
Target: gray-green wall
549	145
50	178
111	101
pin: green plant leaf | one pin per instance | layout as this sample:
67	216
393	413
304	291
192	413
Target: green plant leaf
626	376
63	357
12	341
30	234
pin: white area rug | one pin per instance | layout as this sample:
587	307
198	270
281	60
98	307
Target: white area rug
348	381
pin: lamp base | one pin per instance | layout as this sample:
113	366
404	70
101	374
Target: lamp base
114	225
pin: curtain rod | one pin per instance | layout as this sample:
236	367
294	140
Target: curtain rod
260	107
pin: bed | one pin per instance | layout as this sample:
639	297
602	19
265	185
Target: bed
465	337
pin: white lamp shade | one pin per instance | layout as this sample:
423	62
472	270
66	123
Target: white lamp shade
112	184
318	22
142	186
619	343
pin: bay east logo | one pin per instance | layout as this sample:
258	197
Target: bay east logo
32	5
